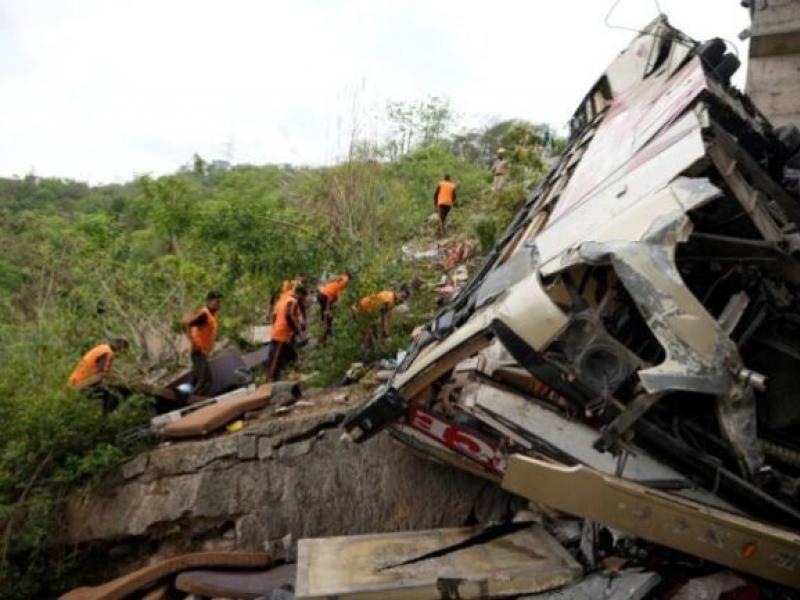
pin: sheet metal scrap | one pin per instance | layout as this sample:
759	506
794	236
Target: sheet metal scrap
643	303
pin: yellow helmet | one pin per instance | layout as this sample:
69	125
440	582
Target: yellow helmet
501	150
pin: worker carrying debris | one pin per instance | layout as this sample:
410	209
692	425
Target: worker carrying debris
444	198
93	367
287	331
327	295
382	302
201	329
501	170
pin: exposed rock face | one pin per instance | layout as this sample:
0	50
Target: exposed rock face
276	477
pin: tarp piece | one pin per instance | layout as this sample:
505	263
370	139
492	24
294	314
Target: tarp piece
224	376
150	575
237	585
256	358
209	418
367	567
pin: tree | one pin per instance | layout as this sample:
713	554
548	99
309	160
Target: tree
416	124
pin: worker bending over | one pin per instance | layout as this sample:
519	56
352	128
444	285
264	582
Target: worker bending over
93	367
444	198
201	329
383	303
327	295
287	330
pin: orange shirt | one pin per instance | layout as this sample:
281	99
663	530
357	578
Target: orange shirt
87	365
377	302
282	330
446	193
333	289
203	335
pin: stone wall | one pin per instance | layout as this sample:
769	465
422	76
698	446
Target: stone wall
276	477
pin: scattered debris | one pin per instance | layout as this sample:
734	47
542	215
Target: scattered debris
355	373
627	585
234	426
636	326
430	254
459	253
714	587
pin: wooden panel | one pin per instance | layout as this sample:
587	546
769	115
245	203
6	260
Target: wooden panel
361	567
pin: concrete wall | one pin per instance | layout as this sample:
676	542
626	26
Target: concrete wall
773	77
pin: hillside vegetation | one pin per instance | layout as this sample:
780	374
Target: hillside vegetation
82	263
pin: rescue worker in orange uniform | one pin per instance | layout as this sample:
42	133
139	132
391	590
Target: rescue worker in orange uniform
327	295
287	287
93	366
444	198
287	330
383	303
201	329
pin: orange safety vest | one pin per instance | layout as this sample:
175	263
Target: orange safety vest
282	330
333	289
87	365
203	336
445	196
377	302
287	287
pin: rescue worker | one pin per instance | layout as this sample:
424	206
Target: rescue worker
286	290
91	369
287	330
201	329
443	199
327	295
501	170
383	303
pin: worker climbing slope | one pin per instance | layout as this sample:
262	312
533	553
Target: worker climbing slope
444	198
287	331
327	295
501	170
201	329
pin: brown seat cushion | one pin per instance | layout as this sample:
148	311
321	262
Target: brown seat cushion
206	420
238	585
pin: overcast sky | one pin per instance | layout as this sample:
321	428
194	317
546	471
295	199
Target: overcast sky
105	89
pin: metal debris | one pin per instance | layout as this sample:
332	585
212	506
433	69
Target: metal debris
637	321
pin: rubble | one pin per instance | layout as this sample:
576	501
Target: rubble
635	329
